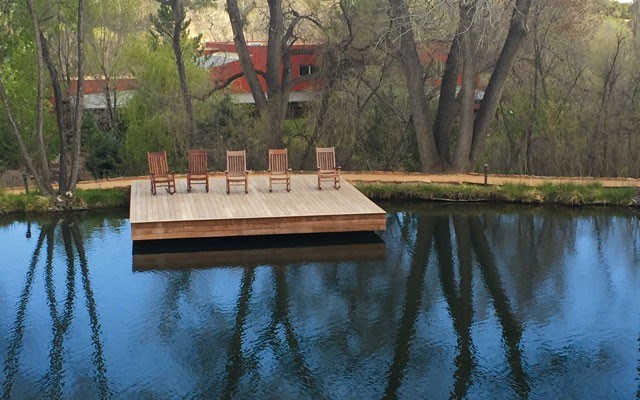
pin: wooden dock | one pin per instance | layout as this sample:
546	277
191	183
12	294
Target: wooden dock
215	214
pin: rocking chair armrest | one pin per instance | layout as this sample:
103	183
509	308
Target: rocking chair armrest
269	170
338	168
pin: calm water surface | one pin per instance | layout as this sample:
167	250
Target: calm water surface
454	302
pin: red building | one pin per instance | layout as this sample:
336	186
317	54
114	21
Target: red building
224	64
94	91
222	59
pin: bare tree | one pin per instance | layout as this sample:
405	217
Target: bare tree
474	126
272	103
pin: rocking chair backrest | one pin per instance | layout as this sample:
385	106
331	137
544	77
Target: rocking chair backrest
158	163
236	162
278	161
326	158
198	162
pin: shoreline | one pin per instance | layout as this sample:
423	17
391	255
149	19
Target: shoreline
457	188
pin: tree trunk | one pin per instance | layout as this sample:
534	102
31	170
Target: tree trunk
412	70
79	105
467	92
178	22
42	150
635	20
110	100
274	48
237	26
489	105
447	107
59	110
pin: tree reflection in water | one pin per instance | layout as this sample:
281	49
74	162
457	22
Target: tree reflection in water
464	303
413	299
15	344
458	296
469	240
238	364
235	360
53	381
511	327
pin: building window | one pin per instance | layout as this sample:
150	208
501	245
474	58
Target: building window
307	70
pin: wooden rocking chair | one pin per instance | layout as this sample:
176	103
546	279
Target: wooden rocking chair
159	172
279	170
236	172
327	169
198	172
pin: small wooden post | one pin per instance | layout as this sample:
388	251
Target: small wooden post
486	171
26	183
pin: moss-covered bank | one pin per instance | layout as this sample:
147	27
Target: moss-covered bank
563	194
82	200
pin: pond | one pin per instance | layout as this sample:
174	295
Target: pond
450	301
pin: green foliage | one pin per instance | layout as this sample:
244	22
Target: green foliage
33	202
102	148
105	198
614	9
155	119
19	76
111	25
84	199
225	125
163	23
152	119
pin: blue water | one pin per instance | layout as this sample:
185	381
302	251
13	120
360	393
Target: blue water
464	302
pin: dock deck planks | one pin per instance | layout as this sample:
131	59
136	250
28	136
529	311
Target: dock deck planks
215	214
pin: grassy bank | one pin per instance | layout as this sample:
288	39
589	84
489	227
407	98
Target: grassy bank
563	194
82	200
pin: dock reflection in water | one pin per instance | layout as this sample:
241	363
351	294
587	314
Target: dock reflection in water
258	250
